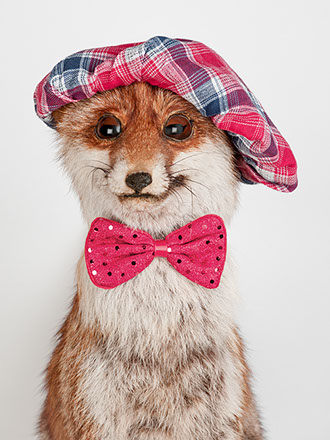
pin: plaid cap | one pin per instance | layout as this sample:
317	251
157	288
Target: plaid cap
195	72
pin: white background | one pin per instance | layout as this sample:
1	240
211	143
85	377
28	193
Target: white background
281	241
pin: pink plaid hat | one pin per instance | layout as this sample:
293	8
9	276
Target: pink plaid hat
195	72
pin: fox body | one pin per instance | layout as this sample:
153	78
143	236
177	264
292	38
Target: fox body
158	357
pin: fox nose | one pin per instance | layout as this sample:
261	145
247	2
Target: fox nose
138	181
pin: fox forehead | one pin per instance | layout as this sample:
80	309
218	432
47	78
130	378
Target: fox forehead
142	110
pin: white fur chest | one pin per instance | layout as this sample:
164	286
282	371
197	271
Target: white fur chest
158	327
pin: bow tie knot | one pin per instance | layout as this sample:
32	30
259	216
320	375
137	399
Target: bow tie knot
161	248
115	253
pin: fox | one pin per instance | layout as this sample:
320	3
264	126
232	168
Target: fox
159	357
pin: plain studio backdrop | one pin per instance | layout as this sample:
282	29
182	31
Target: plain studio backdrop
280	241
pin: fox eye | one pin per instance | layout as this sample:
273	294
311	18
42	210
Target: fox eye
178	127
108	127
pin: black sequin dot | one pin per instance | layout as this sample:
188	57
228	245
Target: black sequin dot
218	258
92	239
221	235
134	235
144	246
203	272
133	263
212	281
91	261
179	261
219	227
120	236
189	226
104	264
117	247
207	242
109	273
180	237
96	229
220	247
123	274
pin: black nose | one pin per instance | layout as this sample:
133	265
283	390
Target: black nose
138	181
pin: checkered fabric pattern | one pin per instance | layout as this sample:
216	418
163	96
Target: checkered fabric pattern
195	72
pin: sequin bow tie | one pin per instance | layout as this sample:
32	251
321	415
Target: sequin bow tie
115	253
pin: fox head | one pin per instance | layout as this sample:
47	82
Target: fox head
146	157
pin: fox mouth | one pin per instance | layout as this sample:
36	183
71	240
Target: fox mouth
144	196
174	183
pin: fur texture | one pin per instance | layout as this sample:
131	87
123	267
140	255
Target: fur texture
159	357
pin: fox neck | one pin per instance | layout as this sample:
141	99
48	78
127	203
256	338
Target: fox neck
157	307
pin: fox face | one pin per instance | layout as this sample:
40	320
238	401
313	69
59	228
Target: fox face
145	156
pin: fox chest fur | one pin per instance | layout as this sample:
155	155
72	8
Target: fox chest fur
136	365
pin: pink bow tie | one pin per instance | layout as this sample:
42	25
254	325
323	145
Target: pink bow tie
115	253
